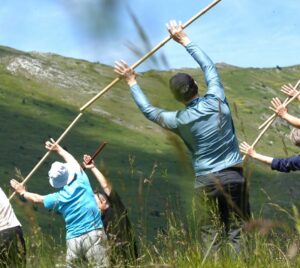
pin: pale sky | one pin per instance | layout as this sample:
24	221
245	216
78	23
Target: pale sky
255	33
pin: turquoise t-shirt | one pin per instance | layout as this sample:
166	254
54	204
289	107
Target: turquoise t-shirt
76	202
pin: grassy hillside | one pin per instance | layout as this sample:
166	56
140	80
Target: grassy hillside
40	95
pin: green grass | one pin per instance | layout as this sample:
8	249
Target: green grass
146	165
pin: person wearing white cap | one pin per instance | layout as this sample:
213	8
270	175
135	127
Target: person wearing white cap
12	244
86	239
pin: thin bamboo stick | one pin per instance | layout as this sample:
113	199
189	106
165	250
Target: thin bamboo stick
285	103
272	116
115	81
273	119
146	56
48	153
261	134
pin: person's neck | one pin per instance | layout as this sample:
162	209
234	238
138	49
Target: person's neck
190	100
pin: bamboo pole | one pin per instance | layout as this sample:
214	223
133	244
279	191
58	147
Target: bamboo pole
284	103
146	56
272	116
115	81
48	153
273	119
261	134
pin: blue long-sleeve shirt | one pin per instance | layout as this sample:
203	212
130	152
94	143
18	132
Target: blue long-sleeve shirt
205	124
286	164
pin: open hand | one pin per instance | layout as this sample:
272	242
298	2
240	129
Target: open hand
245	148
289	90
278	107
177	33
51	145
123	70
17	186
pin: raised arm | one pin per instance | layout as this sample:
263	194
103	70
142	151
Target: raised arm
163	118
282	112
212	79
104	183
20	189
54	147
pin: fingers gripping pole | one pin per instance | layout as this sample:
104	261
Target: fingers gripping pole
115	81
273	119
48	153
287	101
146	56
261	134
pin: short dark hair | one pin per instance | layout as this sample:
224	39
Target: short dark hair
295	136
183	87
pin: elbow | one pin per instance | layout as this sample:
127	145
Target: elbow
149	113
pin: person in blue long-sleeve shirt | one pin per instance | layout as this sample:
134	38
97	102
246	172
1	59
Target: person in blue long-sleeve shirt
206	127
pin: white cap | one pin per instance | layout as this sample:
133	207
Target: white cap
60	174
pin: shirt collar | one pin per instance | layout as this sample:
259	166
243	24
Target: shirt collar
192	102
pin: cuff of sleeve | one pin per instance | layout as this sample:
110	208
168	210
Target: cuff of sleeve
189	45
134	86
274	163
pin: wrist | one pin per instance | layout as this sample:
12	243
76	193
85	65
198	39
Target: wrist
253	155
284	115
22	193
185	41
131	82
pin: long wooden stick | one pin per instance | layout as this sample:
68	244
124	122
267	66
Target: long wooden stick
260	135
48	153
272	120
115	81
146	56
284	103
272	116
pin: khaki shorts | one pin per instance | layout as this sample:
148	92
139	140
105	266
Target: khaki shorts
90	247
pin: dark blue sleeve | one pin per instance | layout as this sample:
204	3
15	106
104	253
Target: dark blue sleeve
286	164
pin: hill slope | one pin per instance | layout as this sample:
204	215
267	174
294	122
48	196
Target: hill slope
40	94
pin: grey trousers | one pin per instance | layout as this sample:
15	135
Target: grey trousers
223	208
89	248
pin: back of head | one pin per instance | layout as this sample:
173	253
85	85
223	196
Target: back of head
183	87
295	136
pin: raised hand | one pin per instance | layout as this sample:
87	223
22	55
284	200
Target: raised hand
278	107
51	145
177	33
122	69
86	162
289	90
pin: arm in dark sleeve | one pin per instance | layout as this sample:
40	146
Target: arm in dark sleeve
286	164
212	78
163	118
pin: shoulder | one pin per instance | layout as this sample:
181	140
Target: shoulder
51	200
